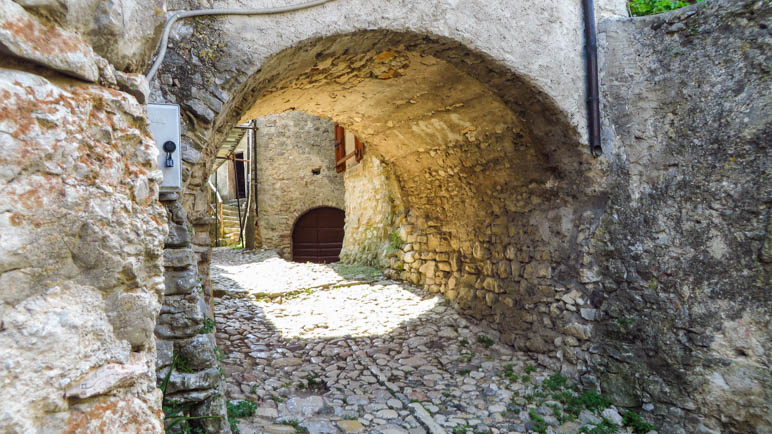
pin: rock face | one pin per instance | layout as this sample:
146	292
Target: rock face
683	291
291	148
80	265
125	32
81	230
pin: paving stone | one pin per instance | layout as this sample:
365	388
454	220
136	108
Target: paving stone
317	348
351	426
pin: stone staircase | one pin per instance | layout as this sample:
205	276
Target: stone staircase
230	221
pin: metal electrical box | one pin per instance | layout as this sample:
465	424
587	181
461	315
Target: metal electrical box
165	126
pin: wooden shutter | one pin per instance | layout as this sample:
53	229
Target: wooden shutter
359	149
340	149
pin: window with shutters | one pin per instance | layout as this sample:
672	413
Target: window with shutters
340	149
341	157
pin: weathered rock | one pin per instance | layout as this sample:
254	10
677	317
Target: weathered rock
62	169
180	282
125	33
24	36
178	258
178	381
107	378
351	426
133	316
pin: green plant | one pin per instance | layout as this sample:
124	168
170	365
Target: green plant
485	341
461	429
468	357
295	424
464	342
219	354
207	327
555	382
530	368
593	400
625	323
634	421
181	364
509	374
649	7
396	242
464	371
605	427
540	425
176	414
239	410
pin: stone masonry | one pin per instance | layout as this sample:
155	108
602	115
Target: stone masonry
291	148
185	330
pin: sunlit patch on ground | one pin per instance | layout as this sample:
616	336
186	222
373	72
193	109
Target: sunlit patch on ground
360	310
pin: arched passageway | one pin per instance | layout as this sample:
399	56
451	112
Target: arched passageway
473	184
318	236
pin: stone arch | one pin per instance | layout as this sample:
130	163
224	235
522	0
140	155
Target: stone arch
488	181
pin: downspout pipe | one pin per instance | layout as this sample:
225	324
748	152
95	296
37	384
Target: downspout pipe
593	98
207	12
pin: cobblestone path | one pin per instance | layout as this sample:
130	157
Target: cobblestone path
338	348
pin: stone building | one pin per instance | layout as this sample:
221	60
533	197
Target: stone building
643	272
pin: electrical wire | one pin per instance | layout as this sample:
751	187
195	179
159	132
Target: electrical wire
204	12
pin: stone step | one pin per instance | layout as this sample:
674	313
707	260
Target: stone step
230	212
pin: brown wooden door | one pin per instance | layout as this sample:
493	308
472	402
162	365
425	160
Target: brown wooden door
318	236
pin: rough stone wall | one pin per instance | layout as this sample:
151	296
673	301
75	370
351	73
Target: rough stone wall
81	235
682	277
290	146
185	329
373	211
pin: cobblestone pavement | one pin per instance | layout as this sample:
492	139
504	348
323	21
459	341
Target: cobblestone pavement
337	348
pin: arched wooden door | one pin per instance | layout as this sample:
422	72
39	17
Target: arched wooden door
318	236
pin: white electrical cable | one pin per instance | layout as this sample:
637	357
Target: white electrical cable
203	12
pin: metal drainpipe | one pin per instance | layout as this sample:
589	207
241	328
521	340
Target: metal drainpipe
593	98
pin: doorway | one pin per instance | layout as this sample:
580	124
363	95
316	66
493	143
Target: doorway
318	236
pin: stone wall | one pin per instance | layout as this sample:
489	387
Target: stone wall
373	211
185	328
683	284
291	147
81	231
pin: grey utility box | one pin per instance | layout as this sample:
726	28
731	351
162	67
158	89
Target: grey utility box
165	126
